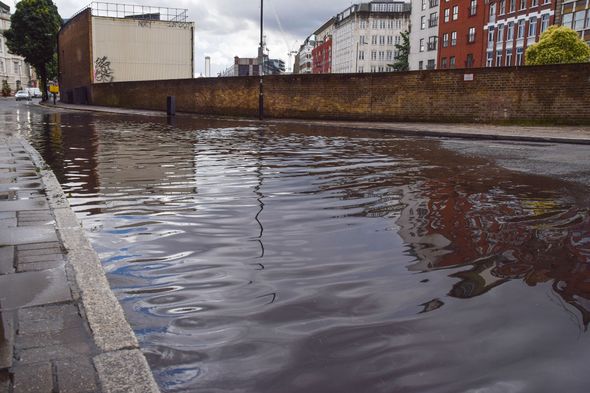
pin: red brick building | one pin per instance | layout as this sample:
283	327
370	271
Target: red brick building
460	34
511	26
322	57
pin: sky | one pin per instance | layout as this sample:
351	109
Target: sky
228	28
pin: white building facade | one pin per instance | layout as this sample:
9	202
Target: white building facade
424	34
305	55
366	34
13	69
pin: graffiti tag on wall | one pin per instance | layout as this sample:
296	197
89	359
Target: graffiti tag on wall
103	73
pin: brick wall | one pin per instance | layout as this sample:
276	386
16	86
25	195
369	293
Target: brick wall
75	57
550	94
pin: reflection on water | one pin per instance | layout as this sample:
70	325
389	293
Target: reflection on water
283	259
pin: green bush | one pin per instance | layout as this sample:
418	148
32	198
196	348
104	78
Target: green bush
558	45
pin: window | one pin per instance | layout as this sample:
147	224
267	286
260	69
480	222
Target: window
432	43
398	40
469	61
502	8
447	14
1	66
1	46
490	59
579	20
533	27
534	3
423	22
545	22
420	65
520	29
510	32
374	55
452	62
433	20
472	7
381	55
362	55
382	24
443	62
508	57
433	3
471	35
522	4
519	52
498	58
389	55
17	67
500	33
430	65
362	40
512	5
424	2
374	39
422	45
491	36
390	40
567	20
456	12
493	12
361	69
363	24
381	40
375	24
587	20
373	69
454	38
445	42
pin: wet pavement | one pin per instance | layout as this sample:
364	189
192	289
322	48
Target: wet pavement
49	341
285	257
45	345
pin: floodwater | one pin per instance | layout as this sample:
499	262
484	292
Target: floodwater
288	258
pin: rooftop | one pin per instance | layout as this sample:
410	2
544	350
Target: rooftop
132	11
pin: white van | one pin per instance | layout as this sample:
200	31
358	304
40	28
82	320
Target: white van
35	92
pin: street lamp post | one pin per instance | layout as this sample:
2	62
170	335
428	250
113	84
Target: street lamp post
261	63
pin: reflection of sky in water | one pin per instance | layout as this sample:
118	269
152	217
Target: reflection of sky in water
289	259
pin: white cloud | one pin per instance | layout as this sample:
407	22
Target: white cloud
228	28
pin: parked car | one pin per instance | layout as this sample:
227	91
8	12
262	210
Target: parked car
35	92
22	95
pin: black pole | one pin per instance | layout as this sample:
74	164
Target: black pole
261	63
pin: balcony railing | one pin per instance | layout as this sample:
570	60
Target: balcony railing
433	22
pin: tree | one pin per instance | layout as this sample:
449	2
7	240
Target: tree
6	90
558	45
33	35
403	52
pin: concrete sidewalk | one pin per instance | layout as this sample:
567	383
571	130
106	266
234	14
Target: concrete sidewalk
554	134
61	327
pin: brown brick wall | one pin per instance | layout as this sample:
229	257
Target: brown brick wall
75	54
551	94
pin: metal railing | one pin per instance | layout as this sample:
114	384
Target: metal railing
132	11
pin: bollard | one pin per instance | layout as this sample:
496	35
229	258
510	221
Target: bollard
171	105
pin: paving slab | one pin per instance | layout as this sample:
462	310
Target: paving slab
18	236
33	289
15	206
76	376
6	260
36	378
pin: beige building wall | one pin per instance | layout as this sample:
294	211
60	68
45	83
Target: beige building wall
134	50
13	68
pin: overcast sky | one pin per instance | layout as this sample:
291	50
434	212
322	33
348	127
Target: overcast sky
228	28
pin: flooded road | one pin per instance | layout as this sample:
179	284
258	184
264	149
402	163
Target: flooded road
285	258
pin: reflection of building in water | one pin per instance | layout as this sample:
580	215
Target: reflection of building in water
500	237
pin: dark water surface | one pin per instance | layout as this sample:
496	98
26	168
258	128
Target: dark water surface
294	259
